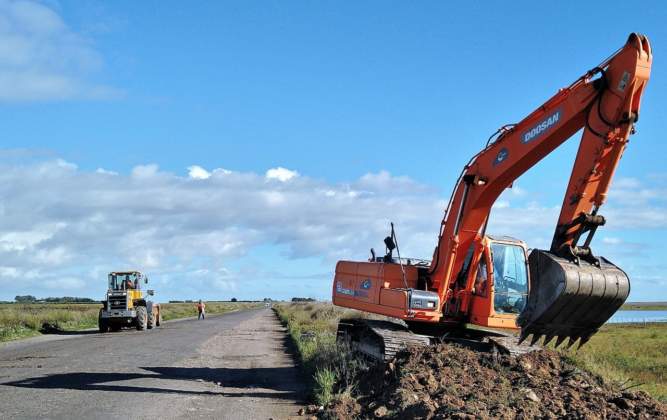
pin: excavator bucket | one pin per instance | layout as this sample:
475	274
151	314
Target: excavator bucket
570	300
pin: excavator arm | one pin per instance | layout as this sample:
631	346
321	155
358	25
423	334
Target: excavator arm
605	103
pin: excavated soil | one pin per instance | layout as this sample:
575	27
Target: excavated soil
447	381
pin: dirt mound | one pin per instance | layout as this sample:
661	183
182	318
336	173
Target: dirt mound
447	381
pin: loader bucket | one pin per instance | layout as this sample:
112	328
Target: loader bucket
570	300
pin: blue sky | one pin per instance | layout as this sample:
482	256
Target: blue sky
324	120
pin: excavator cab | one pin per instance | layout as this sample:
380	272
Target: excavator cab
544	293
500	284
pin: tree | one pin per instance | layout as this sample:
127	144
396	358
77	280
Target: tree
25	299
234	300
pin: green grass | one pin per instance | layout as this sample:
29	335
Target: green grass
25	320
332	369
633	355
325	380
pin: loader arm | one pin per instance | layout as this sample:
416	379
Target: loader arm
605	103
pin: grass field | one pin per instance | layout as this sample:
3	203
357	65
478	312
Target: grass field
25	320
634	356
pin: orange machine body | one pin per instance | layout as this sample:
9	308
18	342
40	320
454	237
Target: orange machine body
384	288
605	107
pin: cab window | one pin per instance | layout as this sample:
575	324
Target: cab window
510	278
126	281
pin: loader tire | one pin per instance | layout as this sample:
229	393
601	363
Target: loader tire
102	323
151	320
142	318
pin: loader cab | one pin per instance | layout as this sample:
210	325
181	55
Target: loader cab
131	280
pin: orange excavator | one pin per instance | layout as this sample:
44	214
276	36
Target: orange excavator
484	291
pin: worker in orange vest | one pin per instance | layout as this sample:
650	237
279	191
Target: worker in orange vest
201	308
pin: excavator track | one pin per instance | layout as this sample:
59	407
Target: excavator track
382	340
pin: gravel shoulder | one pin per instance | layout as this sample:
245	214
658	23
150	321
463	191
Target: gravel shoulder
232	366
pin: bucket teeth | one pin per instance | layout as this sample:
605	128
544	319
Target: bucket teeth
535	339
560	340
572	341
525	332
585	339
547	339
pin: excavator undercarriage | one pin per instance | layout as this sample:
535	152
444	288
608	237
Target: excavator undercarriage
381	340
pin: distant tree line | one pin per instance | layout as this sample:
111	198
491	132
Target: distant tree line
64	299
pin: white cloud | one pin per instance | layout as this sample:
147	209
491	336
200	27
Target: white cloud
53	256
144	171
10	272
516	191
57	285
384	181
59	221
281	174
609	240
197	172
42	59
106	172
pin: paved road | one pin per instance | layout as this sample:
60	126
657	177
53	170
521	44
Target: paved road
232	366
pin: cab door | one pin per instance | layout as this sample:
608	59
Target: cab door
481	304
510	278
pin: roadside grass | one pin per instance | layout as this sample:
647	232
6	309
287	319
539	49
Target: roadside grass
331	367
634	356
25	320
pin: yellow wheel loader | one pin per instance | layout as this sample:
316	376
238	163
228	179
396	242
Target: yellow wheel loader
125	304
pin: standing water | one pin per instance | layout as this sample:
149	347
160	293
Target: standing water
638	317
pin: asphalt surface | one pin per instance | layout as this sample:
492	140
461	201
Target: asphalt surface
232	366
